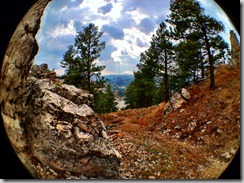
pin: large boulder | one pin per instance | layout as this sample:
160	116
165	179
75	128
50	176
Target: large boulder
64	137
185	94
176	101
16	65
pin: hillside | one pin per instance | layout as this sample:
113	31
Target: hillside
197	141
119	82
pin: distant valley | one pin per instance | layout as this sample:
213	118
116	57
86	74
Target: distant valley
120	82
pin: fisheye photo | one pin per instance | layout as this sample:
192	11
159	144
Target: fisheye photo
123	90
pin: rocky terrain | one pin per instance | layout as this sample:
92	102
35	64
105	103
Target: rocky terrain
56	134
235	49
65	138
195	138
61	136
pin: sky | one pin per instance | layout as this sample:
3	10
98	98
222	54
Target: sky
127	27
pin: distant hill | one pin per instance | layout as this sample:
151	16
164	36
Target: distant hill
120	82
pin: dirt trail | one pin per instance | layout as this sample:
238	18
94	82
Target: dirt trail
198	141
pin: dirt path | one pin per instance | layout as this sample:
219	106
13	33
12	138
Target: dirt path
197	143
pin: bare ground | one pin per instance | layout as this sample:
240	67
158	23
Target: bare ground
197	141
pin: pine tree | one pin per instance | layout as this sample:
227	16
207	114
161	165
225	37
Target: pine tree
153	75
79	59
189	61
188	20
105	100
131	96
75	74
145	77
164	50
82	72
140	92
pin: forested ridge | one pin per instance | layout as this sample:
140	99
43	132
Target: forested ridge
183	51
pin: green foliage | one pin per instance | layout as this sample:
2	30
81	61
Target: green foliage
178	54
78	60
165	54
151	83
200	43
140	92
104	100
82	72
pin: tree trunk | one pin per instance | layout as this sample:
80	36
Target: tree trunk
89	82
202	66
212	82
210	57
89	63
166	80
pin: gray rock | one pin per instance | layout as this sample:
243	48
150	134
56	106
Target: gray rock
235	49
73	94
185	94
66	135
42	71
176	101
15	68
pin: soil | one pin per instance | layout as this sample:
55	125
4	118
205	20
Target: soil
196	141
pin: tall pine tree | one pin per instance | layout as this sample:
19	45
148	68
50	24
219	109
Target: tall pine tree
105	100
154	71
188	21
81	70
141	91
78	60
164	50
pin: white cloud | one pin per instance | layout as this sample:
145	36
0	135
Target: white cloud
127	25
146	25
146	6
62	30
140	43
114	32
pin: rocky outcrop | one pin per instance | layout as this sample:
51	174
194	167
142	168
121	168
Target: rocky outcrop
176	101
235	49
42	71
51	127
15	68
185	94
65	137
